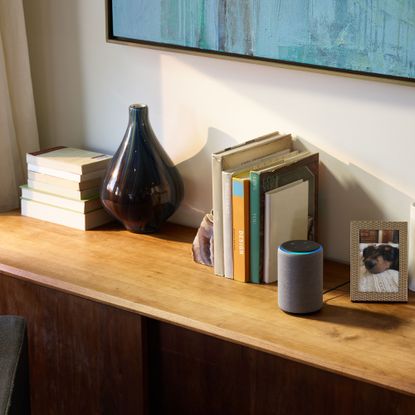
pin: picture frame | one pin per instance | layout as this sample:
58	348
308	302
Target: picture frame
327	37
379	261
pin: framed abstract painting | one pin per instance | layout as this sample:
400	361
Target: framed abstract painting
363	37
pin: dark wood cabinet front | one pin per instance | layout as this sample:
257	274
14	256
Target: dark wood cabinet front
85	357
90	358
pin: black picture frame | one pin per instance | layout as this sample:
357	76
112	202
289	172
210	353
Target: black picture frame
112	38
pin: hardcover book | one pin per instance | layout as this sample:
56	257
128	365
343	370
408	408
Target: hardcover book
285	219
240	213
303	167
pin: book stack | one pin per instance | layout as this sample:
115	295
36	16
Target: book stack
63	187
264	193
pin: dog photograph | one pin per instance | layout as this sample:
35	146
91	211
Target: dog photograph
379	261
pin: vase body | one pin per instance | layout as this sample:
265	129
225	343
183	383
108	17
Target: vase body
142	187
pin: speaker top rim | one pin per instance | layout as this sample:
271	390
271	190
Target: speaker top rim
300	247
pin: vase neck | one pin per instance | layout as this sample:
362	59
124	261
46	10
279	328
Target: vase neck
138	114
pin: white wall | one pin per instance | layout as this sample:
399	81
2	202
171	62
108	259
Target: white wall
364	129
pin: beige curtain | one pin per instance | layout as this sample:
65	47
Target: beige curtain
18	128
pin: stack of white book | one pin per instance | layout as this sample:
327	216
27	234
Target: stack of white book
63	187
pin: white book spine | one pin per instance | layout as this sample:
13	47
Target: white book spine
62	191
68	159
267	237
64	217
54	172
62	202
66	175
227	224
217	215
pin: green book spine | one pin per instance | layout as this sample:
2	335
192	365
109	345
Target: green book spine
255	211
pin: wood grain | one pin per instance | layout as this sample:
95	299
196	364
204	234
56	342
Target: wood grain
153	275
198	374
85	357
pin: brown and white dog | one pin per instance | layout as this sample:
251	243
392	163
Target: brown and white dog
380	258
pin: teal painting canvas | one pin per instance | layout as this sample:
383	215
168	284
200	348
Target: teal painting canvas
374	37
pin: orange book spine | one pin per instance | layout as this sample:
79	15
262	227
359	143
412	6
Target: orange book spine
240	228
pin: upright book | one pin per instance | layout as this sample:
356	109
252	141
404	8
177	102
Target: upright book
302	167
285	219
231	158
240	213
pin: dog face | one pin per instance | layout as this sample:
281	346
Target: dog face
379	258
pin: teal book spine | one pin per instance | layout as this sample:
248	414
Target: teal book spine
255	222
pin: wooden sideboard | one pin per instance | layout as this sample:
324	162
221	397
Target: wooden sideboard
120	323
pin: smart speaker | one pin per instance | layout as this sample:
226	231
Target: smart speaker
300	277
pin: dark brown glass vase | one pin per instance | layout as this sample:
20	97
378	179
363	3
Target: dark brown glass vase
142	187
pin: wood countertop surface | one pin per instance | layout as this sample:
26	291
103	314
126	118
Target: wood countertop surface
154	275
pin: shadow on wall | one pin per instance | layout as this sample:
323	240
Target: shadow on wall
196	173
346	193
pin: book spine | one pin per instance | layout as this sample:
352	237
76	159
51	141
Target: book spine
54	172
266	182
254	227
77	205
62	183
93	163
217	215
240	214
227	224
267	238
66	175
64	192
53	214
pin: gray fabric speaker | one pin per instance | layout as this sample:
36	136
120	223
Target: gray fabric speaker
300	277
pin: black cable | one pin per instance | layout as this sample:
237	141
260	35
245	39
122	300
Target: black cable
337	286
